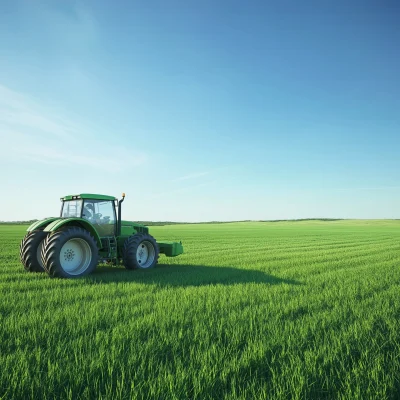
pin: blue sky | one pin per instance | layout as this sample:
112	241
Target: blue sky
199	111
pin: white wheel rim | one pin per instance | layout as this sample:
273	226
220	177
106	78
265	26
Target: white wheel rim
39	253
75	256
145	254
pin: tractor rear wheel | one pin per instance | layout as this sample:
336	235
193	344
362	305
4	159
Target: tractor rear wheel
30	249
70	253
140	252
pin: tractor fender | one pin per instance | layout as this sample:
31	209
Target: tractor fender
41	224
60	222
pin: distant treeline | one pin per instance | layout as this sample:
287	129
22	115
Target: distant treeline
304	219
161	223
18	222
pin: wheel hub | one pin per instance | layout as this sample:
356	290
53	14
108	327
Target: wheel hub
75	256
145	254
142	253
69	255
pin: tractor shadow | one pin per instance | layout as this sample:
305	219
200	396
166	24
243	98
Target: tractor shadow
186	275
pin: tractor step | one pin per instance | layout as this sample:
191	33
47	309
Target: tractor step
109	244
109	249
170	249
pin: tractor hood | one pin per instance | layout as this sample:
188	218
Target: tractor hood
129	228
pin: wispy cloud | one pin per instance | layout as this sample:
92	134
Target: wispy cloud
21	112
180	190
191	176
30	132
187	186
333	189
368	188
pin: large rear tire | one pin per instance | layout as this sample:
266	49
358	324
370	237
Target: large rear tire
140	252
30	251
70	253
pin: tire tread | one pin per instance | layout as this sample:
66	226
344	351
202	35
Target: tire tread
28	250
130	246
51	251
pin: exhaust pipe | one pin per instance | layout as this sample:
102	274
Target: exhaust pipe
119	215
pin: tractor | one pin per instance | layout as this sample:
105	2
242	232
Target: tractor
90	230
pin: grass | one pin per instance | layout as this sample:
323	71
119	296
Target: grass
288	310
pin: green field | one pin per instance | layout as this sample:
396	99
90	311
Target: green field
288	310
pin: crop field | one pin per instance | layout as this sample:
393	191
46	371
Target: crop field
288	310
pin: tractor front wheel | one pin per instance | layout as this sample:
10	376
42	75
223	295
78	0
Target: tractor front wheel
140	252
30	249
70	253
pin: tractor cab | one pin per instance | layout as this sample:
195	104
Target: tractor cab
98	209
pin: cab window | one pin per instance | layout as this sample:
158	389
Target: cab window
71	208
101	214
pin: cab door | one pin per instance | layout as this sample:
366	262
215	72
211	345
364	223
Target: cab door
101	213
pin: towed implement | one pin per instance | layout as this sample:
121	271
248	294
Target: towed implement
90	230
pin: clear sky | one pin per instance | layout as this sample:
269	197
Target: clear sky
201	110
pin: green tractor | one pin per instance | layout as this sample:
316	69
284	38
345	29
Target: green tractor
88	231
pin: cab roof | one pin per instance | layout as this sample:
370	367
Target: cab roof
91	196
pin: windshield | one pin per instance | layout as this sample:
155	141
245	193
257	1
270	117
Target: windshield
71	208
102	214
